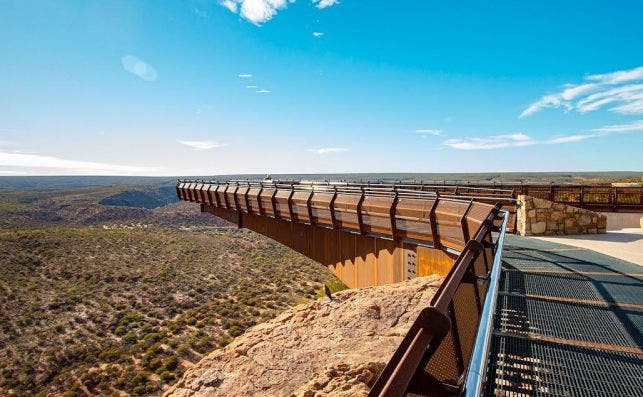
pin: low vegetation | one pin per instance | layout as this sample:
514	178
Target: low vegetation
95	311
111	300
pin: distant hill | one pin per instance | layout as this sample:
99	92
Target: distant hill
142	198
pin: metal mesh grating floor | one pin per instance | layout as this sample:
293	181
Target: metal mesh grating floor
537	368
569	322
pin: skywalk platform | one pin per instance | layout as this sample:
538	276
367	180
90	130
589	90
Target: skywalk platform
568	322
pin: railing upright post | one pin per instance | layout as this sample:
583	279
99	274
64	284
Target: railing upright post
262	211
582	194
392	215
464	224
360	220
331	207
292	191
615	205
273	200
247	199
309	206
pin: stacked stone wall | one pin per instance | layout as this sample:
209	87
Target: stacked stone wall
539	217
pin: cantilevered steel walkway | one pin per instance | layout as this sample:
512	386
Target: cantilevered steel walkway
513	317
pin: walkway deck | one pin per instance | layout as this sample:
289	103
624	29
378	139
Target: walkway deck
569	322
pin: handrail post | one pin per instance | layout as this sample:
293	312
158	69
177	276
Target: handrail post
273	200
434	225
392	212
237	205
247	199
292	191
464	224
360	221
331	207
309	206
262	211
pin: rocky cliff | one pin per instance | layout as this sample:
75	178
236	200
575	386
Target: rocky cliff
321	348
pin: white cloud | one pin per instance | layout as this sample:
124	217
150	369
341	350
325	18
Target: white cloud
202	145
261	11
32	164
318	34
138	68
327	150
245	76
263	91
491	142
230	5
254	87
595	92
256	11
425	132
324	3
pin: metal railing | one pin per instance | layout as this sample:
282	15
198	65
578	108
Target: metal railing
476	375
438	355
424	218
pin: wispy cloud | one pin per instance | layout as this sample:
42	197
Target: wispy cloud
324	3
426	132
621	90
263	91
318	34
521	139
202	145
245	75
328	150
254	87
24	163
629	127
138	68
570	138
633	127
491	142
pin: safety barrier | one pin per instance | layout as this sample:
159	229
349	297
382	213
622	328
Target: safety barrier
445	350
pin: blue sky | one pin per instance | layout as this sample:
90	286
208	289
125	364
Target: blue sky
272	86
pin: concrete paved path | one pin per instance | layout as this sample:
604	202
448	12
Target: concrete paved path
626	244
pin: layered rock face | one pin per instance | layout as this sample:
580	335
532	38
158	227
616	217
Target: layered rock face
322	348
539	217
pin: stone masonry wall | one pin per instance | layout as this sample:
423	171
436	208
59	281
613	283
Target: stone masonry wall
539	217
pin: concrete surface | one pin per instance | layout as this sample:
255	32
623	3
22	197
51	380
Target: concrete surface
623	220
626	244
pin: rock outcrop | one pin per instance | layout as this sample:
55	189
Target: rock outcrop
321	348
